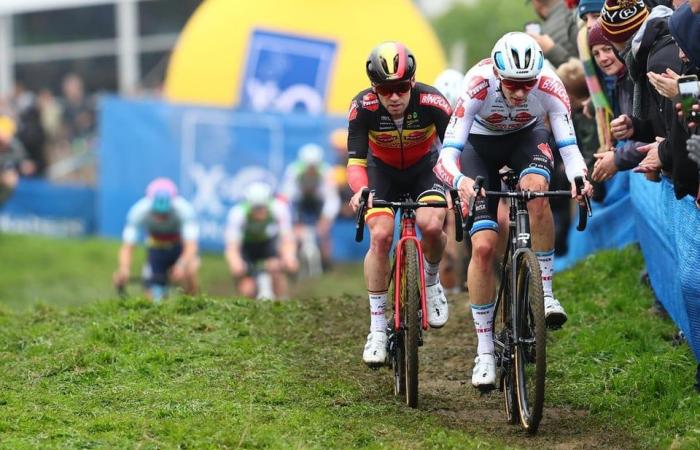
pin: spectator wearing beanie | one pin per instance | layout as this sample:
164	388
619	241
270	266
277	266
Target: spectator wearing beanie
589	11
647	46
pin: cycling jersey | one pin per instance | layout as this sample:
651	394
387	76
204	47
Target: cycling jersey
311	190
163	230
483	110
398	144
241	228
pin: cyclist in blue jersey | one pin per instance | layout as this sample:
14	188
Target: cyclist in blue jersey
172	233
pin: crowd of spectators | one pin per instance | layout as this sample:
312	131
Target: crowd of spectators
47	136
621	62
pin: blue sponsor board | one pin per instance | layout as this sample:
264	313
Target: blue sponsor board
41	207
286	73
212	155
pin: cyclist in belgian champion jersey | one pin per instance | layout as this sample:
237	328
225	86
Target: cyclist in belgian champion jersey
394	133
499	120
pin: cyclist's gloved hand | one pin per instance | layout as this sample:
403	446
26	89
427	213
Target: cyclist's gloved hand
587	191
466	190
355	200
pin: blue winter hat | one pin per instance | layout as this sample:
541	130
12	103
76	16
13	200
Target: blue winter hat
590	6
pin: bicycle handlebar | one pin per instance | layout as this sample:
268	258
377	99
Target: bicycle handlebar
585	209
360	215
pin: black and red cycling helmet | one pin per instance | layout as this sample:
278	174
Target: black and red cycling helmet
389	62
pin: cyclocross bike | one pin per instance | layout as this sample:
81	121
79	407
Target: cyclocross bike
405	331
519	331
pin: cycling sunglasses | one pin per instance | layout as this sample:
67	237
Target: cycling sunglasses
386	90
514	85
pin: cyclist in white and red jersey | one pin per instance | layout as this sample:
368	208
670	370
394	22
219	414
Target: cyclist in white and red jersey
499	120
394	132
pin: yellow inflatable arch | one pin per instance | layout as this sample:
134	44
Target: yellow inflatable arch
269	54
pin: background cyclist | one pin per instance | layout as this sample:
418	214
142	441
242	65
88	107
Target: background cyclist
395	128
499	120
171	225
259	237
311	190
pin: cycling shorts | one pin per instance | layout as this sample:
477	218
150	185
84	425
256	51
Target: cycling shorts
160	261
526	151
256	253
390	184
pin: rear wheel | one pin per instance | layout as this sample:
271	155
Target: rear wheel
530	352
410	306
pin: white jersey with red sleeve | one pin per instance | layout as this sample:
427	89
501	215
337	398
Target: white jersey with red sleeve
482	109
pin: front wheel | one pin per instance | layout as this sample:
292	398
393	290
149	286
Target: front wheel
530	360
503	347
410	307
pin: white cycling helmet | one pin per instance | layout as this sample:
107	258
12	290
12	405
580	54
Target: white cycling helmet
517	56
258	194
311	154
449	83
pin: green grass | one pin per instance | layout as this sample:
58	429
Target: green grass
222	372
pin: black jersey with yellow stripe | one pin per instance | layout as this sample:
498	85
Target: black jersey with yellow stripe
371	128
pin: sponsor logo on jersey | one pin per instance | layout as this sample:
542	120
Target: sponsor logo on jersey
370	101
414	135
495	118
385	137
546	149
459	108
523	117
556	89
352	113
478	88
436	100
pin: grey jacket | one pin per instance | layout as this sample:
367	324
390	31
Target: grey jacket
560	25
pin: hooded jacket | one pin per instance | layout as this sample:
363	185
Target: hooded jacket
685	29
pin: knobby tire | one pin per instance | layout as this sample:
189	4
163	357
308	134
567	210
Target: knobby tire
530	360
410	305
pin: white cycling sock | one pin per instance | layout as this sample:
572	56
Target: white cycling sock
377	308
546	260
431	272
483	322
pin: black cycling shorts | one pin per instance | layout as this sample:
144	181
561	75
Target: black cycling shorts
390	184
525	151
256	253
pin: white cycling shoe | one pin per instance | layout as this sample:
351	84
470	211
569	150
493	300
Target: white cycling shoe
554	314
375	349
436	302
484	372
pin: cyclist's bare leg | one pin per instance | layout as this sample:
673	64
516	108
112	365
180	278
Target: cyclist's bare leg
503	224
246	287
273	266
480	276
323	228
541	219
381	230
448	264
430	222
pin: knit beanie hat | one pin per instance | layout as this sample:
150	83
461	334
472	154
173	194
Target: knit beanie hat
596	37
620	19
590	6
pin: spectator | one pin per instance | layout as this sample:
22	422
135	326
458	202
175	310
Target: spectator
589	11
619	90
558	36
644	38
30	131
78	111
12	157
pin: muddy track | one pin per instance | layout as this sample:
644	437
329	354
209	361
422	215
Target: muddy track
445	391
